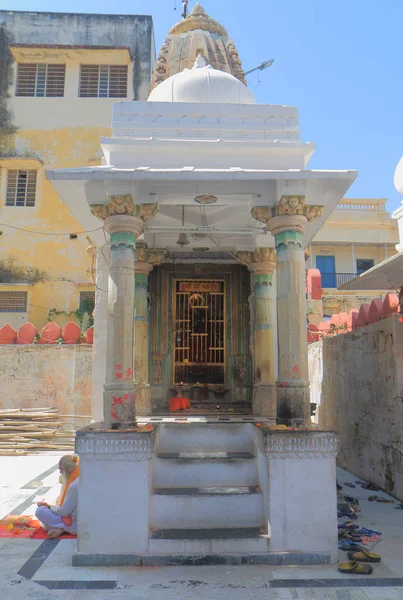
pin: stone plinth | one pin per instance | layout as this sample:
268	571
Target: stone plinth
114	493
294	487
302	497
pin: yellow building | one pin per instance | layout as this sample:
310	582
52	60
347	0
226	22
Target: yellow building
55	104
358	235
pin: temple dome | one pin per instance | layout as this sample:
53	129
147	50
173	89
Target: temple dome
202	84
197	33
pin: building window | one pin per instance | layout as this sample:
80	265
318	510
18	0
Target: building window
13	301
363	264
103	81
40	80
21	188
87	302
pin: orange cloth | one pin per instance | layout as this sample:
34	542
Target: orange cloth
179	403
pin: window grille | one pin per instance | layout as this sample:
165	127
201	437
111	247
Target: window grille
21	188
87	301
40	80
13	301
103	81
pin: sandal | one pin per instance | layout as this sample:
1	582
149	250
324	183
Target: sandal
369	532
347	546
370	486
355	568
350	537
351	500
348	525
364	556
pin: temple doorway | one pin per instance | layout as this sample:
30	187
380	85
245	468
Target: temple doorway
199	336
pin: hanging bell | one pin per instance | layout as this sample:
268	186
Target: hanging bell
183	239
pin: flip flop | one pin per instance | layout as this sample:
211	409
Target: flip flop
351	499
348	525
364	556
349	546
369	532
355	568
370	486
344	535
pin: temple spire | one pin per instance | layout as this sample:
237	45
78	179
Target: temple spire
196	32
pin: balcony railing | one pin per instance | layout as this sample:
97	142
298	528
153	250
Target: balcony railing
335	280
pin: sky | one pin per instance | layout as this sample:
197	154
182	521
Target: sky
339	62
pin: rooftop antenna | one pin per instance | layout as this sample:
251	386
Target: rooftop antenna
261	67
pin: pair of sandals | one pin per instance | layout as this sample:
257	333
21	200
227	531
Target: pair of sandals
358	564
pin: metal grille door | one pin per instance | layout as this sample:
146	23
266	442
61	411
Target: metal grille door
199	333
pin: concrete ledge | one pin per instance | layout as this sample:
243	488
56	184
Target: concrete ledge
136	560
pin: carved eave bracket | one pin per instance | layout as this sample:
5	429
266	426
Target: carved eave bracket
124	205
260	262
289	216
147	259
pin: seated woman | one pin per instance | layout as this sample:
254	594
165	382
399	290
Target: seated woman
63	516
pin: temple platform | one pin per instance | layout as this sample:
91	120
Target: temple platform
222	491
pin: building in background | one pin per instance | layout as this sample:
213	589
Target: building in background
358	235
60	75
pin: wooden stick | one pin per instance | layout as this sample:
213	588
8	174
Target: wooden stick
75	416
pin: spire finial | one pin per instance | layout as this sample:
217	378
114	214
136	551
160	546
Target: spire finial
198	10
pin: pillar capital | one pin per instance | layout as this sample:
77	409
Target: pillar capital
263	261
147	259
285	224
119	226
123	205
290	214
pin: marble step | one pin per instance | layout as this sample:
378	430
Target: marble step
206	490
201	470
205	437
233	540
182	508
226	533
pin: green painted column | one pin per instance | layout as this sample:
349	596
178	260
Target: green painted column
119	388
146	260
264	401
293	401
141	335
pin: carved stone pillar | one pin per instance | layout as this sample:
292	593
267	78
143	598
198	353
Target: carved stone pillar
287	222
145	261
264	389
124	221
261	264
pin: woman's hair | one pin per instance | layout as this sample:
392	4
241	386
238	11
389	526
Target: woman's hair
68	463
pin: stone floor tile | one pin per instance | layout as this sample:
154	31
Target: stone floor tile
384	593
350	594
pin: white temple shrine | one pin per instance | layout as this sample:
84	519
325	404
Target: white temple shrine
206	205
